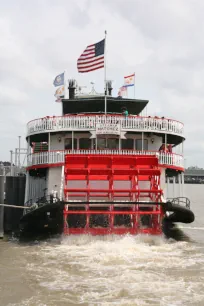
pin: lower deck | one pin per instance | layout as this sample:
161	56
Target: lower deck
108	194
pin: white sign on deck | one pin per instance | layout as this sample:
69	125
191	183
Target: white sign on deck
108	128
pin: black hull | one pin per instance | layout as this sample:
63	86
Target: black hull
178	214
43	221
47	220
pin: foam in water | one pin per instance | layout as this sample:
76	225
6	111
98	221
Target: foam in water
192	228
112	270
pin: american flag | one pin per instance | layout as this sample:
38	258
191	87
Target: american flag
122	91
92	58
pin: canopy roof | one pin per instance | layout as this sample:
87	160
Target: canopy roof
96	104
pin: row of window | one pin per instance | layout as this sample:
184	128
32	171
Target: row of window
104	143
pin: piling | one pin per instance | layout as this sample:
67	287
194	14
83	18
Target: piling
1	208
15	192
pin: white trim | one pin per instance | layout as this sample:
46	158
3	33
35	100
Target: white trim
88	123
183	186
180	185
72	140
55	157
173	186
62	184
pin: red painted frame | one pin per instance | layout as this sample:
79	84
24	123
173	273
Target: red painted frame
112	168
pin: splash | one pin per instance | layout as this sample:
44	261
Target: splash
112	270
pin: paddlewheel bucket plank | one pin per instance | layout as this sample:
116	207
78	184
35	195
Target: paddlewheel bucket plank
106	194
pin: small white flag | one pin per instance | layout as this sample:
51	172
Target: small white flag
59	92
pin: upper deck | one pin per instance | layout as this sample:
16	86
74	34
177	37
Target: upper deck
90	122
89	113
87	128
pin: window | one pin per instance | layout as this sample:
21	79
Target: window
110	143
127	144
113	143
68	143
39	147
84	143
101	143
139	144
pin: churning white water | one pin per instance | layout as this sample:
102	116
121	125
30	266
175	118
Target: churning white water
109	270
121	271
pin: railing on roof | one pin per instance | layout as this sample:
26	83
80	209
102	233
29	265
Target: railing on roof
57	157
89	121
183	201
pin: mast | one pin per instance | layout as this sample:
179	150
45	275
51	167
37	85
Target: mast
105	85
65	89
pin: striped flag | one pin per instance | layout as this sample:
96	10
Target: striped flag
129	80
92	58
59	99
122	91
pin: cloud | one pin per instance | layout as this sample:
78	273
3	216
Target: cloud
14	96
161	41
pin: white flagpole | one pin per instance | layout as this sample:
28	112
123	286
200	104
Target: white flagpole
105	87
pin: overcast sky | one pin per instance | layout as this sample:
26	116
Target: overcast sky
161	41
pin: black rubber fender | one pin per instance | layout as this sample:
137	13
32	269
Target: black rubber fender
179	213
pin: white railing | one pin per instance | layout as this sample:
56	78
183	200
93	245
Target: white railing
88	122
57	157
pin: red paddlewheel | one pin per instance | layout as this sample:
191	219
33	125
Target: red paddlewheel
99	180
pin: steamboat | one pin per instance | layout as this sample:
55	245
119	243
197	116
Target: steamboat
103	171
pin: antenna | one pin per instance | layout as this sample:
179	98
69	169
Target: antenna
79	88
93	91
